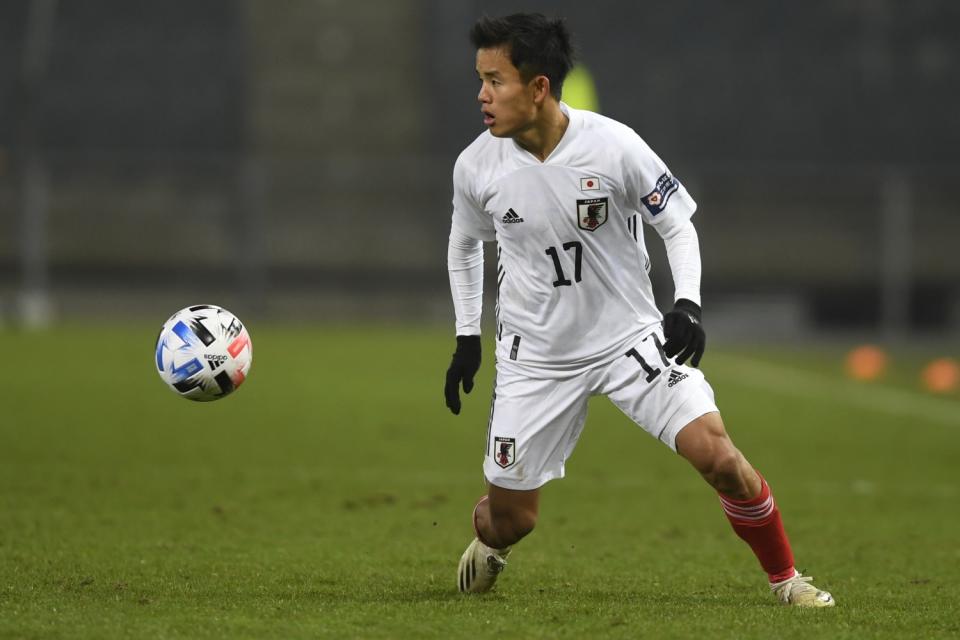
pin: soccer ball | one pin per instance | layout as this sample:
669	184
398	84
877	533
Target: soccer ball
204	352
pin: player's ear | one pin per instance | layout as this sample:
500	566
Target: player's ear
541	89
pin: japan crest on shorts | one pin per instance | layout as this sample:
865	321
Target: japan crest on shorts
504	452
591	213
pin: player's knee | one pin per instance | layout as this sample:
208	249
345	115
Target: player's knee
727	473
726	465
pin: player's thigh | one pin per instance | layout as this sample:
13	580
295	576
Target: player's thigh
534	425
659	395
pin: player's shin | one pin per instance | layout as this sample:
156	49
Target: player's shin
757	521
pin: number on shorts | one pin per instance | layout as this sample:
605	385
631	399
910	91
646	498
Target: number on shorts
651	372
663	355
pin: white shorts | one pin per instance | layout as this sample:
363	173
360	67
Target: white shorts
535	423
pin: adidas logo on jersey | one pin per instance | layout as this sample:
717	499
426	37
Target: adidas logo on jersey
675	377
511	216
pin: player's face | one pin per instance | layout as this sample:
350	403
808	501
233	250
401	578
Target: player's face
506	101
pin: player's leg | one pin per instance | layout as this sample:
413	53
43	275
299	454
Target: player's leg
504	516
745	497
534	426
500	520
749	506
675	404
705	444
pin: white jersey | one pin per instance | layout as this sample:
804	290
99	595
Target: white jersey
573	283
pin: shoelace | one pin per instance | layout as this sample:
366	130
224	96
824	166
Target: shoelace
797	583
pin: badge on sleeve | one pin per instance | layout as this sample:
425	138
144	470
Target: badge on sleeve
591	213
656	200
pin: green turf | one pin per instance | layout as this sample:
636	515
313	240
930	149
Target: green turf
330	497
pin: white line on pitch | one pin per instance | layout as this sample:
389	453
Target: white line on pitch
785	380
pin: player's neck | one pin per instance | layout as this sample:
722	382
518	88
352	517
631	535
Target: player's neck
543	136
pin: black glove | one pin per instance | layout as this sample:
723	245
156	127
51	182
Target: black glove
684	333
466	361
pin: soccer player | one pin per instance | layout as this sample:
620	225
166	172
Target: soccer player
563	193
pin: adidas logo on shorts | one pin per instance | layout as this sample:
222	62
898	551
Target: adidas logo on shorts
511	216
675	377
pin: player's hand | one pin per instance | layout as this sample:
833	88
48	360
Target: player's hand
684	333
465	363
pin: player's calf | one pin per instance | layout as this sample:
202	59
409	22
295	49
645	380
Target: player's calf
504	517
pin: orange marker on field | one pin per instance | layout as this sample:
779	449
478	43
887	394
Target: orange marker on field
942	375
866	362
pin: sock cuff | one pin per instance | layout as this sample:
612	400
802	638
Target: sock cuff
755	511
764	494
776	579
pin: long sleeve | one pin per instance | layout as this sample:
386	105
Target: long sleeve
465	265
683	253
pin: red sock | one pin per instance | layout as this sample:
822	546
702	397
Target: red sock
757	522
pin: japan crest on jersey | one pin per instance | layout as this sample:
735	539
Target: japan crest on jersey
591	213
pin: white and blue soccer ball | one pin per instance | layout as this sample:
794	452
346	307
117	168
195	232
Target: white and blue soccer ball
204	352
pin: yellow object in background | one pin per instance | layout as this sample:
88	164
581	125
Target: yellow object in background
579	90
867	362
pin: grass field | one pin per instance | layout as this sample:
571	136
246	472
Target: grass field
330	497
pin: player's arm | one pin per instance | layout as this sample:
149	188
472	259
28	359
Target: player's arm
682	326
667	207
465	266
469	228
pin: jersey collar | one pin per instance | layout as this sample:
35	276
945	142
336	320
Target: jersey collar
573	125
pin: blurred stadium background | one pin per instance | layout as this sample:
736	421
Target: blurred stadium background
294	161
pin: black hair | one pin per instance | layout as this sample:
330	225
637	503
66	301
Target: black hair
537	45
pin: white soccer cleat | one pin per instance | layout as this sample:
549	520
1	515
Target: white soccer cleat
479	567
798	591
